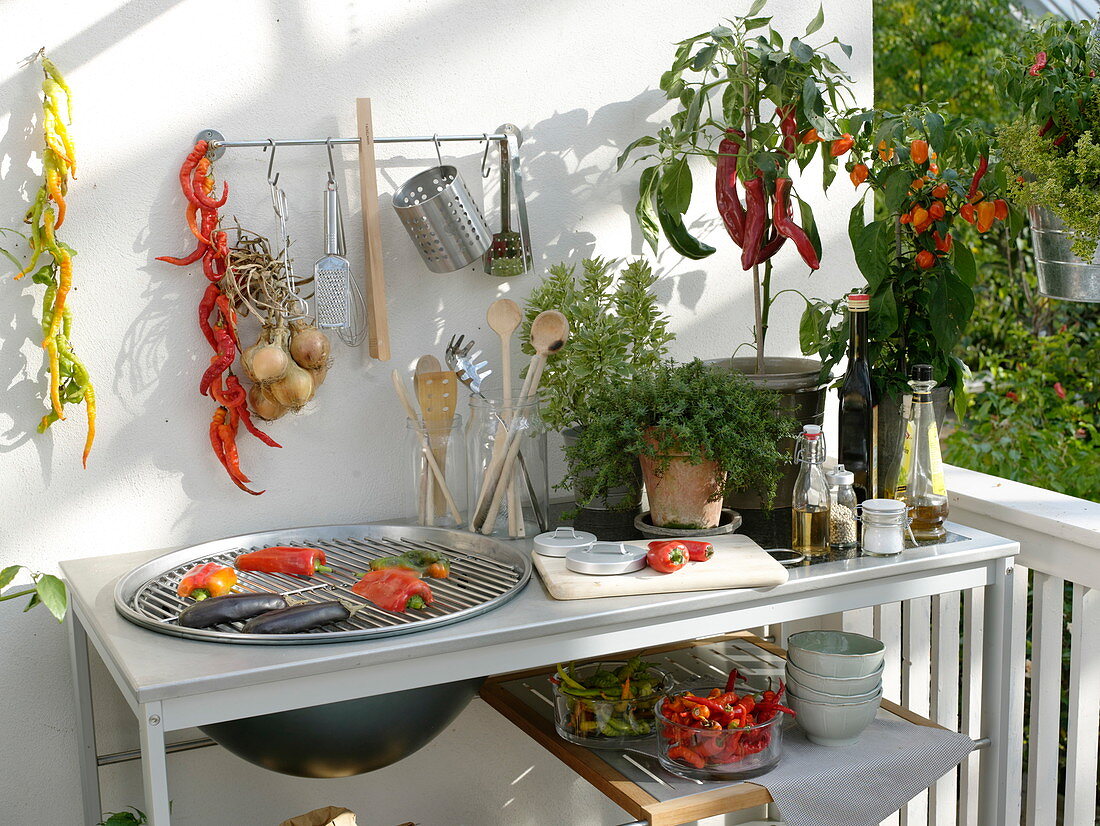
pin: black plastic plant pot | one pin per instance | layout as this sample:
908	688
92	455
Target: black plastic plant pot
346	738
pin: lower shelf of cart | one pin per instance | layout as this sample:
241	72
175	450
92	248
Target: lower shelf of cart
637	782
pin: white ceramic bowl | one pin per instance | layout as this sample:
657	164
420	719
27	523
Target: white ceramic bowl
836	653
795	687
835	686
833	725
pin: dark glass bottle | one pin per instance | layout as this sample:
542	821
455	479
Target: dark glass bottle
857	447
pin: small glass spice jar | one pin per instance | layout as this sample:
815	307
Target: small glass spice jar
842	514
884	524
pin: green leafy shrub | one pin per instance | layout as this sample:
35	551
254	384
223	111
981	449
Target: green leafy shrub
688	409
616	330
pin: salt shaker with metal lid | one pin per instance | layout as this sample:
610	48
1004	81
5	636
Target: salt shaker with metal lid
561	541
842	511
885	522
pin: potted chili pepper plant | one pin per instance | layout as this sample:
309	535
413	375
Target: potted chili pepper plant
1053	152
926	173
760	107
698	434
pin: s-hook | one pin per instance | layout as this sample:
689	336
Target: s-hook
438	152
485	157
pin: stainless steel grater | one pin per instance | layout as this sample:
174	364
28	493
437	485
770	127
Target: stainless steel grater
332	272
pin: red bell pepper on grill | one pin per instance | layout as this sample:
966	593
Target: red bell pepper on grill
207	579
668	556
284	560
394	589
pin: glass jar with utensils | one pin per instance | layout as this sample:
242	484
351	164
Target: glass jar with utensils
447	443
516	504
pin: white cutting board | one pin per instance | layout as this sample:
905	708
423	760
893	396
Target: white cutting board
738	562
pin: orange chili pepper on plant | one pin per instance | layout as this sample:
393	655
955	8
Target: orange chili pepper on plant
885	152
942	244
918	151
906	218
987	211
936	210
966	212
859	174
842	145
919	216
810	136
918	184
940	191
1000	207
926	259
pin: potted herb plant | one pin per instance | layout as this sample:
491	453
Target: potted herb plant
925	173
756	106
1053	152
616	331
697	433
760	107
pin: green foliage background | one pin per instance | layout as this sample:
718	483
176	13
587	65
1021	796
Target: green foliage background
1019	344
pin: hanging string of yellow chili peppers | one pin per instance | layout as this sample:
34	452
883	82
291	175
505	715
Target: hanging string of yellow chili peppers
69	382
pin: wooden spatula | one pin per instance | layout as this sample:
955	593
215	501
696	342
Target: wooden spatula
437	392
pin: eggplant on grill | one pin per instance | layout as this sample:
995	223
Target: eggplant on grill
229	608
297	618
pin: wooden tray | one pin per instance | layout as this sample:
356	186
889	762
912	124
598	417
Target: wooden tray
738	562
643	789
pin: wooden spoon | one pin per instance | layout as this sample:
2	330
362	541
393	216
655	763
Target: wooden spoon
504	317
549	332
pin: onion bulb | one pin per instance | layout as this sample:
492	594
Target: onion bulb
263	405
294	389
309	346
246	360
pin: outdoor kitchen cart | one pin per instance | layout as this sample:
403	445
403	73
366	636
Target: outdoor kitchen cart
172	683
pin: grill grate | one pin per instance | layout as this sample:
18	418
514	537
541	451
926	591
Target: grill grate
484	574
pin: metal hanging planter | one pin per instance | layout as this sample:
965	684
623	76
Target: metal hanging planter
1062	274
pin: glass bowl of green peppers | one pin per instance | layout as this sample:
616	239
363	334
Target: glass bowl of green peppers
608	704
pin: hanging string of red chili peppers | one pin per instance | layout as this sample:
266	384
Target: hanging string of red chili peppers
218	381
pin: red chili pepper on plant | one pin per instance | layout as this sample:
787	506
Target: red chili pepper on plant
756	217
725	188
859	174
926	259
1059	390
841	145
983	165
781	213
1039	64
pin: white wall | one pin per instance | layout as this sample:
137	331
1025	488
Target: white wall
577	77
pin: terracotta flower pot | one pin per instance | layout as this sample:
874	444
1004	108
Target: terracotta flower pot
681	496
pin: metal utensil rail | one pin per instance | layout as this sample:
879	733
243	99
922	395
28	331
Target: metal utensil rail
476	584
218	144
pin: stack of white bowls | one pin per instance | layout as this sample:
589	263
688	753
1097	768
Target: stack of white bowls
834	684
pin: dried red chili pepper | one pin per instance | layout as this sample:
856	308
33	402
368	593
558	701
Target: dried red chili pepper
219	362
189	164
206	307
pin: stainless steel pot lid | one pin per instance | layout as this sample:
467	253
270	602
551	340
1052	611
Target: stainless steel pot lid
561	541
606	558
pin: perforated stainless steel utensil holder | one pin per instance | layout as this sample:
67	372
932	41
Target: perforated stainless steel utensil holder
442	219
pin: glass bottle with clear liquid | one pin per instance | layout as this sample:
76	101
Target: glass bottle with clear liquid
920	479
810	501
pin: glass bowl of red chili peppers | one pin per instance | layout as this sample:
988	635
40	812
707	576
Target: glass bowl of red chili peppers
608	704
710	733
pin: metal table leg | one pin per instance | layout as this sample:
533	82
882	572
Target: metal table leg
85	722
154	764
1002	703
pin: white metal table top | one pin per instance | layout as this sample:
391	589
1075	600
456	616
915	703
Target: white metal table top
151	666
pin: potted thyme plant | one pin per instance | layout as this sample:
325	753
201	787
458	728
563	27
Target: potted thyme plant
1053	152
926	173
697	433
616	331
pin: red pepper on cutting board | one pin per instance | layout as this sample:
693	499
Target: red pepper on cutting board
698	551
207	580
284	560
393	589
668	556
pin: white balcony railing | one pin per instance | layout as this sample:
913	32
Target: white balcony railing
934	651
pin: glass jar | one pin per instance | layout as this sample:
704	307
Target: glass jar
884	524
500	428
842	509
447	446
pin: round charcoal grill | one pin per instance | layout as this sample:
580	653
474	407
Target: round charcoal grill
484	575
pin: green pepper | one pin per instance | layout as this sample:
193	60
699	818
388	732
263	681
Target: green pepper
677	234
47	308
